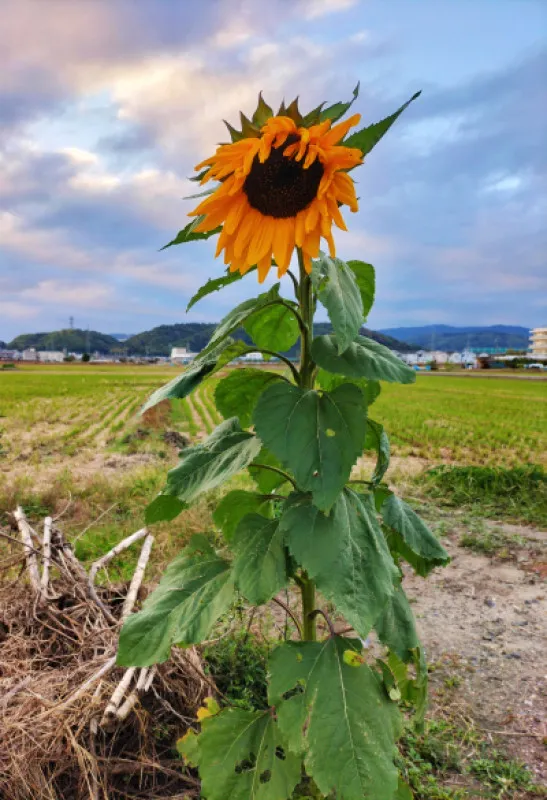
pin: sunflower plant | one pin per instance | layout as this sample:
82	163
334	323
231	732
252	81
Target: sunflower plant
331	543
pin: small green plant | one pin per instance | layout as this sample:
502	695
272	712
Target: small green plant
329	719
516	492
239	667
488	540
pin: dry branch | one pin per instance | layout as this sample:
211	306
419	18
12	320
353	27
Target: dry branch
46	555
59	682
30	552
138	575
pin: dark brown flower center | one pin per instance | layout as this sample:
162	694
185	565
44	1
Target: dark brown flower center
281	187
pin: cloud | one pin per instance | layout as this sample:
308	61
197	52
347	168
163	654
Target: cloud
319	8
105	108
85	295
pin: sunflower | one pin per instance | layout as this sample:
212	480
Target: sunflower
281	186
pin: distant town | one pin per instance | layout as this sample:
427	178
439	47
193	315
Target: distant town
535	356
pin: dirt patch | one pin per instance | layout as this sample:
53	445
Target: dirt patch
488	620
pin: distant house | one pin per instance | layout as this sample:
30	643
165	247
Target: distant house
538	343
180	355
29	354
252	357
51	356
10	355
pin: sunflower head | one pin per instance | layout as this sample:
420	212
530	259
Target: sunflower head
280	184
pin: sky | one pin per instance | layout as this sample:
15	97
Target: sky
107	105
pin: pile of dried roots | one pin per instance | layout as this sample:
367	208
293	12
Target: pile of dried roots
73	725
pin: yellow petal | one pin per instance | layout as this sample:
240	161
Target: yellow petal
339	131
260	242
264	266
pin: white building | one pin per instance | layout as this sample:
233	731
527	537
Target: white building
180	355
538	343
29	354
252	357
51	356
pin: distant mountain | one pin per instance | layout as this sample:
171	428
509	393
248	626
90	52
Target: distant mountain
448	337
194	336
73	339
121	337
3	345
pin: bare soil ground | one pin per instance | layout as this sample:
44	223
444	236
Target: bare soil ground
483	623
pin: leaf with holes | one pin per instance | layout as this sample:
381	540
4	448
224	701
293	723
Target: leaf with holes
317	435
236	395
411	538
260	564
337	290
241	755
195	590
366	281
189	234
348	725
204	467
345	553
364	358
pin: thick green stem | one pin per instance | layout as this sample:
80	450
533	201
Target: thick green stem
305	302
307	590
307	366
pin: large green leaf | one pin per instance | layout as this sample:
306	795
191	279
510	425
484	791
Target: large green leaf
237	316
163	508
234	506
411	537
317	435
196	589
260	565
348	725
337	290
204	467
236	395
266	479
242	756
367	138
338	110
189	234
366	281
364	358
214	285
371	389
345	553
396	628
273	328
182	385
376	439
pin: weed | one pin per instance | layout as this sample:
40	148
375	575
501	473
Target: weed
515	493
238	665
445	751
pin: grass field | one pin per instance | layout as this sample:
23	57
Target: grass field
72	432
